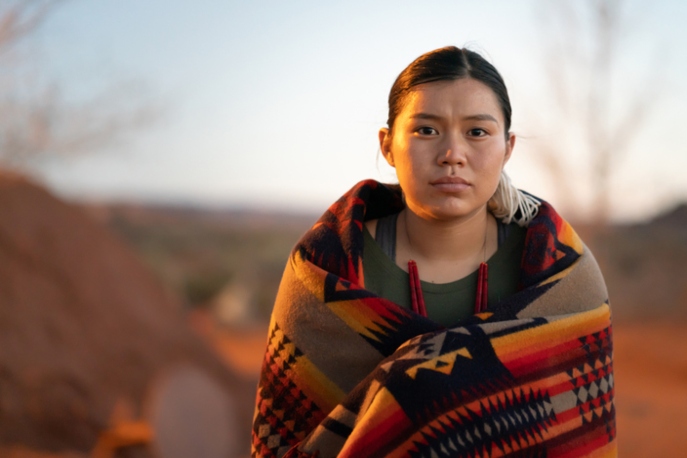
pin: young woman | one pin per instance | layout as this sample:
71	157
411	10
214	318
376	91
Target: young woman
449	315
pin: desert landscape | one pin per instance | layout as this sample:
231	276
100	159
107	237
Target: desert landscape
133	328
114	313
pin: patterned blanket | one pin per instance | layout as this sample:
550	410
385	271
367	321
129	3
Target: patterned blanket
350	374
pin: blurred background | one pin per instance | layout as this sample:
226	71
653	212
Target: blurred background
158	160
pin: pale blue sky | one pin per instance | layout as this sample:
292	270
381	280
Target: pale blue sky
277	104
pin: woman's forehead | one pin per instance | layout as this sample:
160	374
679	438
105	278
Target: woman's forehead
443	98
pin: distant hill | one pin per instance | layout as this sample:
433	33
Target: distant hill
198	252
645	266
141	213
675	218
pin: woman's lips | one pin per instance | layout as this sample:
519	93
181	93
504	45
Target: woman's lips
451	184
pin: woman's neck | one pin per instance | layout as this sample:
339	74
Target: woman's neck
445	251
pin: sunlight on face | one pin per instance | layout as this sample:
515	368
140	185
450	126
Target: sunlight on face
448	147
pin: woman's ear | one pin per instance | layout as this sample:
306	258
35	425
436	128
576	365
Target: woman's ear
510	144
385	145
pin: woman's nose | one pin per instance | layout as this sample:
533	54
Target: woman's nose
453	152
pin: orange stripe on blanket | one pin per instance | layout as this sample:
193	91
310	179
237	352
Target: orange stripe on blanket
568	236
316	385
524	363
533	364
513	346
383	421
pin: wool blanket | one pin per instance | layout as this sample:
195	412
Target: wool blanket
350	374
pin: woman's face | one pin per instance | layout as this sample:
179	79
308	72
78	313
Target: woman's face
448	147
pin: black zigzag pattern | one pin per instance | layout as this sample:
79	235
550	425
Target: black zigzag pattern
471	377
519	415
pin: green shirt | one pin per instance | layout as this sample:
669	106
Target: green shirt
446	303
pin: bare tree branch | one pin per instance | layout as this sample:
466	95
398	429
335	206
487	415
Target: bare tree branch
20	18
48	126
584	41
36	120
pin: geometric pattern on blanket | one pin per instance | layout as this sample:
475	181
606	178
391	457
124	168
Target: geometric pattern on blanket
350	374
520	404
285	413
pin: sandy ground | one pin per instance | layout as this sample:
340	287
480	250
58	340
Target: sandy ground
241	347
651	389
650	370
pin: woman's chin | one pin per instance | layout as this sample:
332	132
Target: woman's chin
448	212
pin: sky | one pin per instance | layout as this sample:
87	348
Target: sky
276	105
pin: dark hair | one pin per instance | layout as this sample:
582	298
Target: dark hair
449	63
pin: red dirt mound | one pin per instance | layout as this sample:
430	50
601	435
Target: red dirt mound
85	327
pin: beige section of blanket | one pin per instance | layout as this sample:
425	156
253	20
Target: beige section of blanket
339	352
582	289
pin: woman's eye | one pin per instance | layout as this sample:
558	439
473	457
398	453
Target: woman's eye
477	132
427	131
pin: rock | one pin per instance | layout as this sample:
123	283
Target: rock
83	324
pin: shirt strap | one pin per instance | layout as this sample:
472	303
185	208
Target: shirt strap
385	235
503	231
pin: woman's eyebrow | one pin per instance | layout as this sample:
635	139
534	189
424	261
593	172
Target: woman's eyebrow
476	117
482	117
426	116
